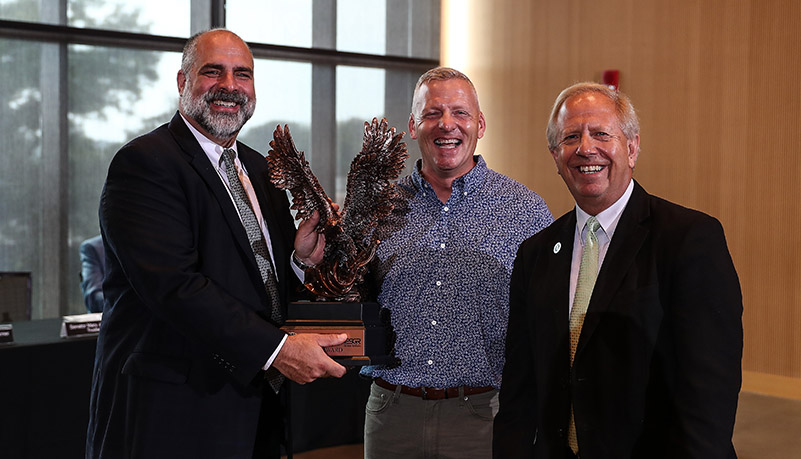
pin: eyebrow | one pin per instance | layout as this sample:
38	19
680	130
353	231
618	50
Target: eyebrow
222	67
452	107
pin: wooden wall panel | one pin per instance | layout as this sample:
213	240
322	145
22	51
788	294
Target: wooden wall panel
717	85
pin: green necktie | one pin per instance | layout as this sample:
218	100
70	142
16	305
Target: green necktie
588	272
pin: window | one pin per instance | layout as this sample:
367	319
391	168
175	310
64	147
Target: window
24	179
155	17
277	22
82	77
360	98
283	96
361	26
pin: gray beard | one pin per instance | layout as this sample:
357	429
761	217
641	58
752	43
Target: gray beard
219	125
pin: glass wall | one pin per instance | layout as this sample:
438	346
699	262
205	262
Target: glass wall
82	77
361	26
155	17
283	96
277	22
24	183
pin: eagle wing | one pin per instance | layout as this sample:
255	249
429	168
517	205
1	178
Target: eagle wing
289	170
371	181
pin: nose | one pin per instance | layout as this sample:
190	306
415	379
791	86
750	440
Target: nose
227	81
585	147
446	122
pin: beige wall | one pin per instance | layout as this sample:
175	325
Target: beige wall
717	85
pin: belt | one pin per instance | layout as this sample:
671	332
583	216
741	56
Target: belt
432	393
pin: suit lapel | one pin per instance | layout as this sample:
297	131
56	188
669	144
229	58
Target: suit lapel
629	236
200	162
560	253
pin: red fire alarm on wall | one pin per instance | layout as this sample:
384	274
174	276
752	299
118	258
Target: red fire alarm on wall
611	79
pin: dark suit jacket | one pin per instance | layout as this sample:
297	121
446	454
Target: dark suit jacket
187	327
93	268
657	368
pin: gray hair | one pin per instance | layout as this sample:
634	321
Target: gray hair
440	74
627	117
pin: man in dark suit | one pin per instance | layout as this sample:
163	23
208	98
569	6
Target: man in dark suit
93	269
657	334
189	344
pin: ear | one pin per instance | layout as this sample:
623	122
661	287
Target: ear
555	156
634	150
181	81
412	127
482	124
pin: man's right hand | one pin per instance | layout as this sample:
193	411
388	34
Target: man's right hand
303	360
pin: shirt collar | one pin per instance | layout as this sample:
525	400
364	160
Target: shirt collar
212	150
609	217
468	183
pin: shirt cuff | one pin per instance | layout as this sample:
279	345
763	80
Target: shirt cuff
275	354
300	273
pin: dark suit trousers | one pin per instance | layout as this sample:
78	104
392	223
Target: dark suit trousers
270	431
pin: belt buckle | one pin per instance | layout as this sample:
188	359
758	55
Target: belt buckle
424	393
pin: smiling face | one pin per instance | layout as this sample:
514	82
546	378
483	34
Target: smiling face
218	95
447	124
593	156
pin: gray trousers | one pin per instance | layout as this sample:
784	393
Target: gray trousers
404	426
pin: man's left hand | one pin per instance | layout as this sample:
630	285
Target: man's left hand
309	244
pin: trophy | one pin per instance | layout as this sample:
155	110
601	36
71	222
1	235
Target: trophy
350	242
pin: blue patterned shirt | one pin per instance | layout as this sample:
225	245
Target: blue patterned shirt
444	271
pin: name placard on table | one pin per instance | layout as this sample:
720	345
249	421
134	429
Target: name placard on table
81	325
6	333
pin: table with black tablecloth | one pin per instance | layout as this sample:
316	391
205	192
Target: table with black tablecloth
45	382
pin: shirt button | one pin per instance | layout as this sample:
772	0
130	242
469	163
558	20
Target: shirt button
433	322
439	283
430	362
445	208
464	194
442	246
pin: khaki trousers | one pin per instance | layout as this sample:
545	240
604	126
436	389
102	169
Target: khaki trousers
404	426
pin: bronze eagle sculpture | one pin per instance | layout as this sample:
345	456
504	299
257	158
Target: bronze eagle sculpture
350	240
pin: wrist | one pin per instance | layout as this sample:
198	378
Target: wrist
300	263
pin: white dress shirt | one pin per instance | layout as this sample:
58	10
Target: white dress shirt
608	219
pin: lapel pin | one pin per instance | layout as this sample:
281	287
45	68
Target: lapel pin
557	247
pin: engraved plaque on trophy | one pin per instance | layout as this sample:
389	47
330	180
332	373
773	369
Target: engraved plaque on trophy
370	336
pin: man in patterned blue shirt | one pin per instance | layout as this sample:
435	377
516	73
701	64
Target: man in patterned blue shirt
443	270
